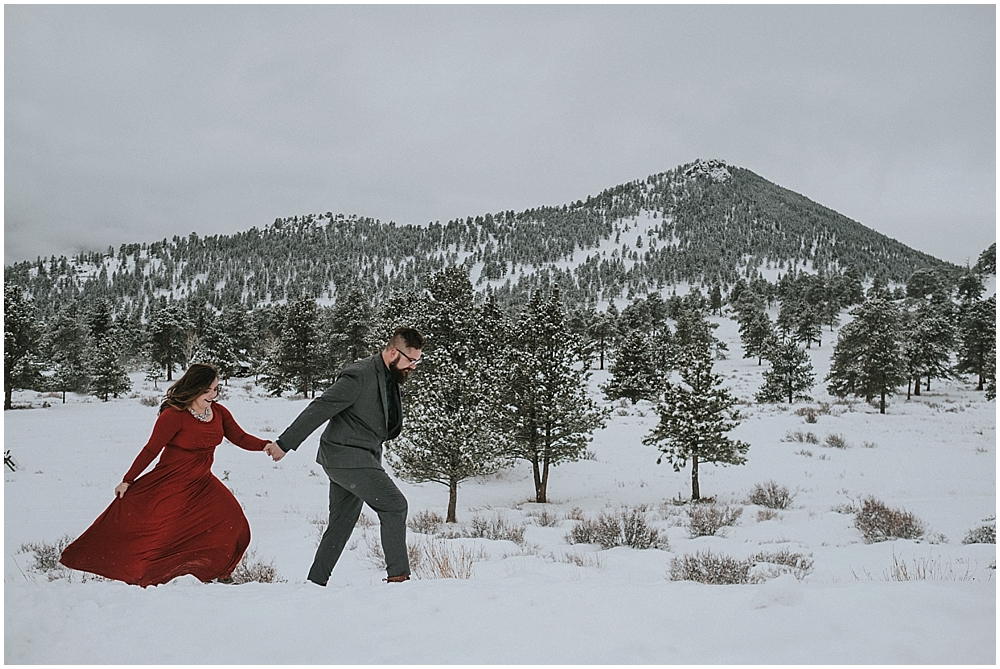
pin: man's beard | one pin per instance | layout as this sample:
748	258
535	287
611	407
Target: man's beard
398	374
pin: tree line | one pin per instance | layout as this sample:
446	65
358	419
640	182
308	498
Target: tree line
500	385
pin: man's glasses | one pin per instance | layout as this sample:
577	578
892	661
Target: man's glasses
412	361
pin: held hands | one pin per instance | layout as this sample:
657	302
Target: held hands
120	490
272	449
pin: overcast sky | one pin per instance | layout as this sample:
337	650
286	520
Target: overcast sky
135	123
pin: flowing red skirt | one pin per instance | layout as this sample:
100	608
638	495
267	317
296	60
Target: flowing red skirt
178	519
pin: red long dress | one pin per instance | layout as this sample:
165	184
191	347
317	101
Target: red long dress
177	519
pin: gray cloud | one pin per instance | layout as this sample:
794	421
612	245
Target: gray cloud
134	123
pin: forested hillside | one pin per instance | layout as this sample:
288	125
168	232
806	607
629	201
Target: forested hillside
703	223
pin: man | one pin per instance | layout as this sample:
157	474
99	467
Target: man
363	410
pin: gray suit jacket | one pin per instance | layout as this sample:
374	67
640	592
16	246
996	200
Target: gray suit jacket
357	410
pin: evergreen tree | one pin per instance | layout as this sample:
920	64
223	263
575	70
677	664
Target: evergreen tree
601	331
790	376
452	405
108	374
295	362
715	300
69	342
808	326
166	336
635	373
756	332
20	343
350	325
547	415
976	337
928	340
218	345
695	417
868	359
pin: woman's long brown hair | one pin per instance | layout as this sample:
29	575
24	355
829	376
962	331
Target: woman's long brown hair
195	381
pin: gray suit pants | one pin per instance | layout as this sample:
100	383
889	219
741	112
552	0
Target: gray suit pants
349	488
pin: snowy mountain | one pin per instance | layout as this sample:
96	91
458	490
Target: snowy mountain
704	223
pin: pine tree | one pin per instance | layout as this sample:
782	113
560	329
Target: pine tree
108	374
350	325
928	339
166	336
635	373
20	343
756	332
452	404
295	362
790	376
695	417
868	358
976	337
69	341
547	415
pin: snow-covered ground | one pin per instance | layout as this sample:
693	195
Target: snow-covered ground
544	600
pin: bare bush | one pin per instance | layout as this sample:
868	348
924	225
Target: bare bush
252	570
440	558
582	559
774	564
576	513
766	514
711	569
425	522
879	522
627	527
497	528
544	518
836	441
801	437
870	444
984	534
771	495
149	401
705	520
807	413
46	555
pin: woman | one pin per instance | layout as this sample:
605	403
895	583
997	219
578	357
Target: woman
177	519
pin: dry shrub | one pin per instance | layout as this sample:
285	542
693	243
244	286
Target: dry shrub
711	569
836	441
627	527
149	401
879	522
440	558
766	514
984	534
705	520
807	413
46	555
921	569
576	513
582	559
544	518
252	570
771	495
497	528
425	522
801	437
774	564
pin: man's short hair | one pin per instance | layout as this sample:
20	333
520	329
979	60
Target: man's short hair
406	337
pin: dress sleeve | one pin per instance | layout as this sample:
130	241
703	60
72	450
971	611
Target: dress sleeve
235	433
167	425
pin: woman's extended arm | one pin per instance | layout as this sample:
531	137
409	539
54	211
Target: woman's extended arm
167	425
235	433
